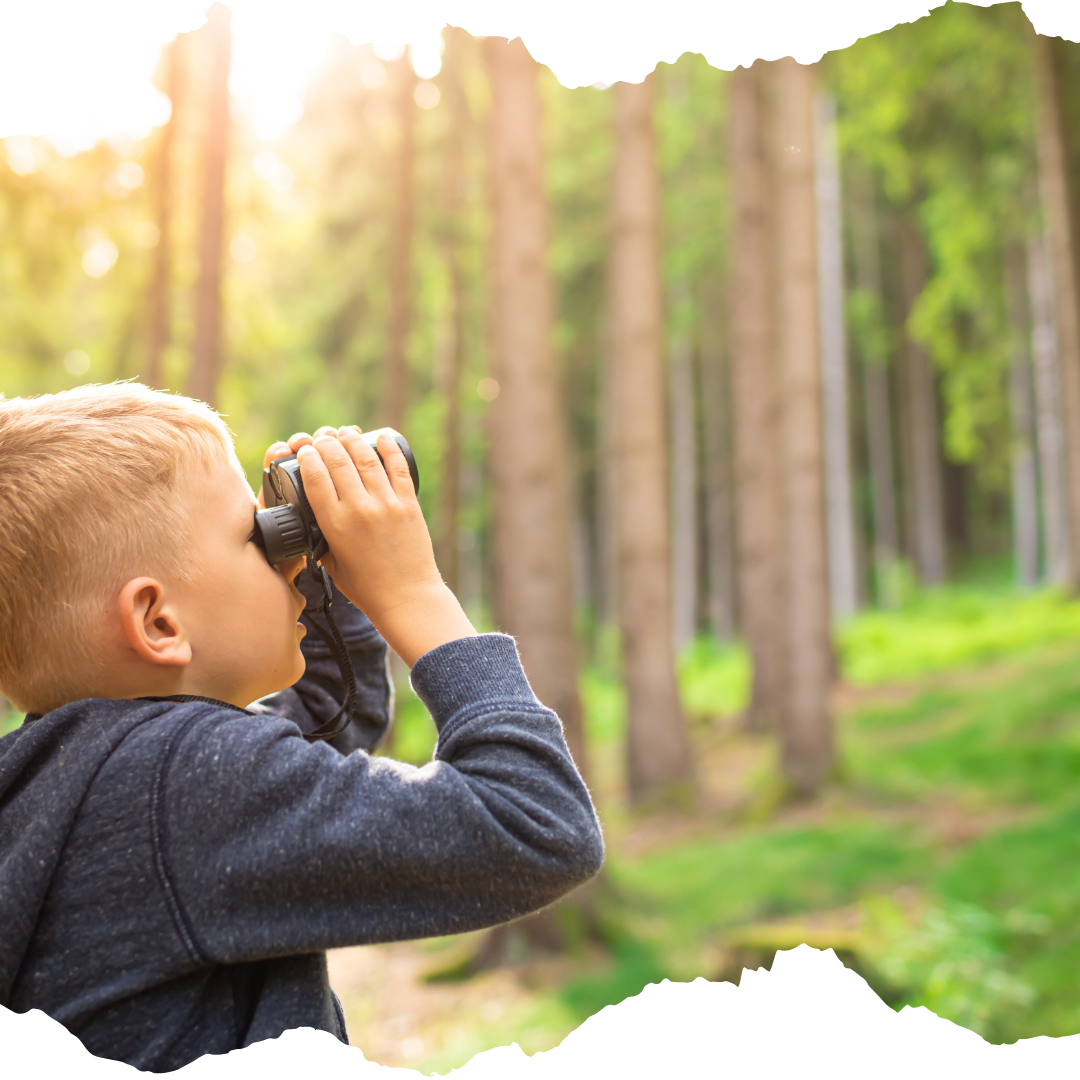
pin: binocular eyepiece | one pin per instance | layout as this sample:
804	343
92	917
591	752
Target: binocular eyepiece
286	527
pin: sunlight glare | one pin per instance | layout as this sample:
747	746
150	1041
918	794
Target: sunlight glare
124	107
426	55
273	56
389	50
23	155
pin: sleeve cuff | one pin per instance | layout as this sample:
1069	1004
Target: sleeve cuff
470	671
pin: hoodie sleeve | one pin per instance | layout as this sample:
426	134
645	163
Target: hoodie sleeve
318	695
273	846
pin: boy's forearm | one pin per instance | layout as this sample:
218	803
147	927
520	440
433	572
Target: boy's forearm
431	618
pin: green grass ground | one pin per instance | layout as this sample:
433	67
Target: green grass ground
944	860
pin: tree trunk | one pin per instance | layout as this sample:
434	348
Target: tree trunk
806	731
716	426
879	427
658	752
1025	495
754	398
454	365
529	445
1061	225
684	536
843	571
396	388
926	505
158	330
1048	413
206	362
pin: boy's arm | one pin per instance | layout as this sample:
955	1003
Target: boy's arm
316	697
274	846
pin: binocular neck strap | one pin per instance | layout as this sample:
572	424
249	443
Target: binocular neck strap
344	716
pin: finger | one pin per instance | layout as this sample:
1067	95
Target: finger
397	467
318	486
278	450
343	473
301	438
367	464
326	430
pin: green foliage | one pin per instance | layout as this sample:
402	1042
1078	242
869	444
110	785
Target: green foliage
955	958
945	628
941	111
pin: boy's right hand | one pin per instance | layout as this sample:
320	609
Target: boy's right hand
380	553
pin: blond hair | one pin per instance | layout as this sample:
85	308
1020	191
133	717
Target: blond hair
88	500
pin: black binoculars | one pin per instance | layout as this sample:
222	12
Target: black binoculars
287	527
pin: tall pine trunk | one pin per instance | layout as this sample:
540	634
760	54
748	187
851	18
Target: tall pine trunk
926	510
843	570
1025	494
684	487
877	403
158	328
207	358
754	398
658	753
1059	212
716	428
1050	437
396	387
529	444
806	730
453	368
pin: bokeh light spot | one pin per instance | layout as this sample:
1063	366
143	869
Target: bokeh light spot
243	249
76	362
426	95
488	389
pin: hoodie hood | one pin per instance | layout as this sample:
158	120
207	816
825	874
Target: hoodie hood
46	769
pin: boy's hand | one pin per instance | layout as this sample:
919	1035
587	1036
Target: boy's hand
380	553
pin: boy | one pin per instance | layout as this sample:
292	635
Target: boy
173	864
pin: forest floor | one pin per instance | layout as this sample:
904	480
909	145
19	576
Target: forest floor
942	861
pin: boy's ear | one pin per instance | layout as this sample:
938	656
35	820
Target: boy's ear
151	623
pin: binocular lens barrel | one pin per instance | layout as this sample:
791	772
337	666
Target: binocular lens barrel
282	530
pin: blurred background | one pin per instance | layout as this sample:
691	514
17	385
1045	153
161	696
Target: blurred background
749	402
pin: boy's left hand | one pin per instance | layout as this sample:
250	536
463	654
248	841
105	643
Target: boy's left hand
284	449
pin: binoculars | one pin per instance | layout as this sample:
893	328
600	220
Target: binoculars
287	527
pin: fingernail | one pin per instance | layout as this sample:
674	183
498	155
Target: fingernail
305	451
345	429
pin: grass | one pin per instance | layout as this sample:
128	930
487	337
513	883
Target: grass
944	862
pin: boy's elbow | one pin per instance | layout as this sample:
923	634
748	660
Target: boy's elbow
582	854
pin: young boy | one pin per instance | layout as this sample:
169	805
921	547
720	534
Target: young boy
173	862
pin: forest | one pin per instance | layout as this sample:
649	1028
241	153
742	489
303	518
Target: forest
748	402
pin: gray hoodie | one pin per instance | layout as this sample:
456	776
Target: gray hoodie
172	872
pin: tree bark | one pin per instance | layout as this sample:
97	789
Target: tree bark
1048	413
158	328
207	359
716	427
843	570
684	490
755	400
806	731
658	752
879	426
396	388
926	505
1060	214
1025	495
529	445
454	366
